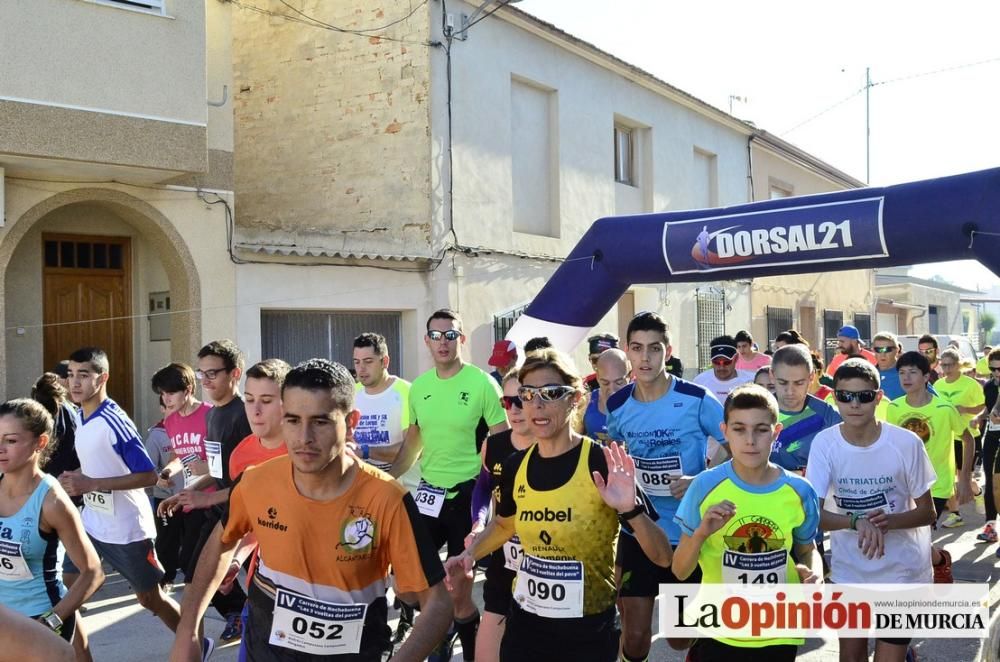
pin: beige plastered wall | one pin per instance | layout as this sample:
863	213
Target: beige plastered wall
178	245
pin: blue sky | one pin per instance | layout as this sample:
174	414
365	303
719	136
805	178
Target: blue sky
800	70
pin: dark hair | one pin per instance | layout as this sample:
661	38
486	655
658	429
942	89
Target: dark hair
227	350
274	369
553	360
95	356
766	370
647	322
445	314
914	359
994	355
792	356
323	375
927	339
743	336
374	340
49	392
173	378
36	419
751	396
857	369
62	369
818	363
791	337
537	344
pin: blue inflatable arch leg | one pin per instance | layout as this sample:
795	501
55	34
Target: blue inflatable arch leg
950	218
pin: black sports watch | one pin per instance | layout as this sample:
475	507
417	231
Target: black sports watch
632	514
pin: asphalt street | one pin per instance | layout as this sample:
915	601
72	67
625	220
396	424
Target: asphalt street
121	631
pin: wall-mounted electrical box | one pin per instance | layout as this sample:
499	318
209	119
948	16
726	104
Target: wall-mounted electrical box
159	316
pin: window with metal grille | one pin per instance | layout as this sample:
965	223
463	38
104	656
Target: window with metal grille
503	322
778	320
832	321
297	335
710	304
863	323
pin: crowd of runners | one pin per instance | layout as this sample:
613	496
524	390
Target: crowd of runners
292	507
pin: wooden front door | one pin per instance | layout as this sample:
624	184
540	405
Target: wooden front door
87	302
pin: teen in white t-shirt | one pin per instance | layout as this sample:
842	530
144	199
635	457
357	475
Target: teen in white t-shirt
874	482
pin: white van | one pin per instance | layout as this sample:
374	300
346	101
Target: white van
965	348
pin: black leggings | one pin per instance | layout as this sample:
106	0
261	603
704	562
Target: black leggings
991	444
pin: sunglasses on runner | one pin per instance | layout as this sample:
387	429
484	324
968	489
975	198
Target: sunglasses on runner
928	352
995	368
883	350
864	397
511	401
450	336
548	393
721	361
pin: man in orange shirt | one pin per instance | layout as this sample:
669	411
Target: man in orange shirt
849	346
311	595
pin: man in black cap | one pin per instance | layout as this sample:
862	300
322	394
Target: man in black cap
723	376
598	345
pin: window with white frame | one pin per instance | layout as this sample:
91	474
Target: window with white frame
151	6
625	155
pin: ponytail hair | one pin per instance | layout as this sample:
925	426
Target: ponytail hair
49	392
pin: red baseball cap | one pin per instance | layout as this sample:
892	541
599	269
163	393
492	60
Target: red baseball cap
504	351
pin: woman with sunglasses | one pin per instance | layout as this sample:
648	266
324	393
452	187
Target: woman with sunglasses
564	499
503	563
36	515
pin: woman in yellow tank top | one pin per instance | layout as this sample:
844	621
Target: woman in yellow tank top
564	498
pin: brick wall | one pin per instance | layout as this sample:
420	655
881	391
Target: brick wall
332	130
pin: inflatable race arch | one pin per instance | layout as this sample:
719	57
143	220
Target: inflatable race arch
949	218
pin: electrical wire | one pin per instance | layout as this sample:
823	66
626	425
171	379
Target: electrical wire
311	23
353	30
502	3
824	111
890	81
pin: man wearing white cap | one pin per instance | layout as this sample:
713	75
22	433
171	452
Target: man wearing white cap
849	346
503	359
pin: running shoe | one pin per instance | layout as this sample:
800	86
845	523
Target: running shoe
980	501
942	572
207	647
989	534
443	652
953	521
234	628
